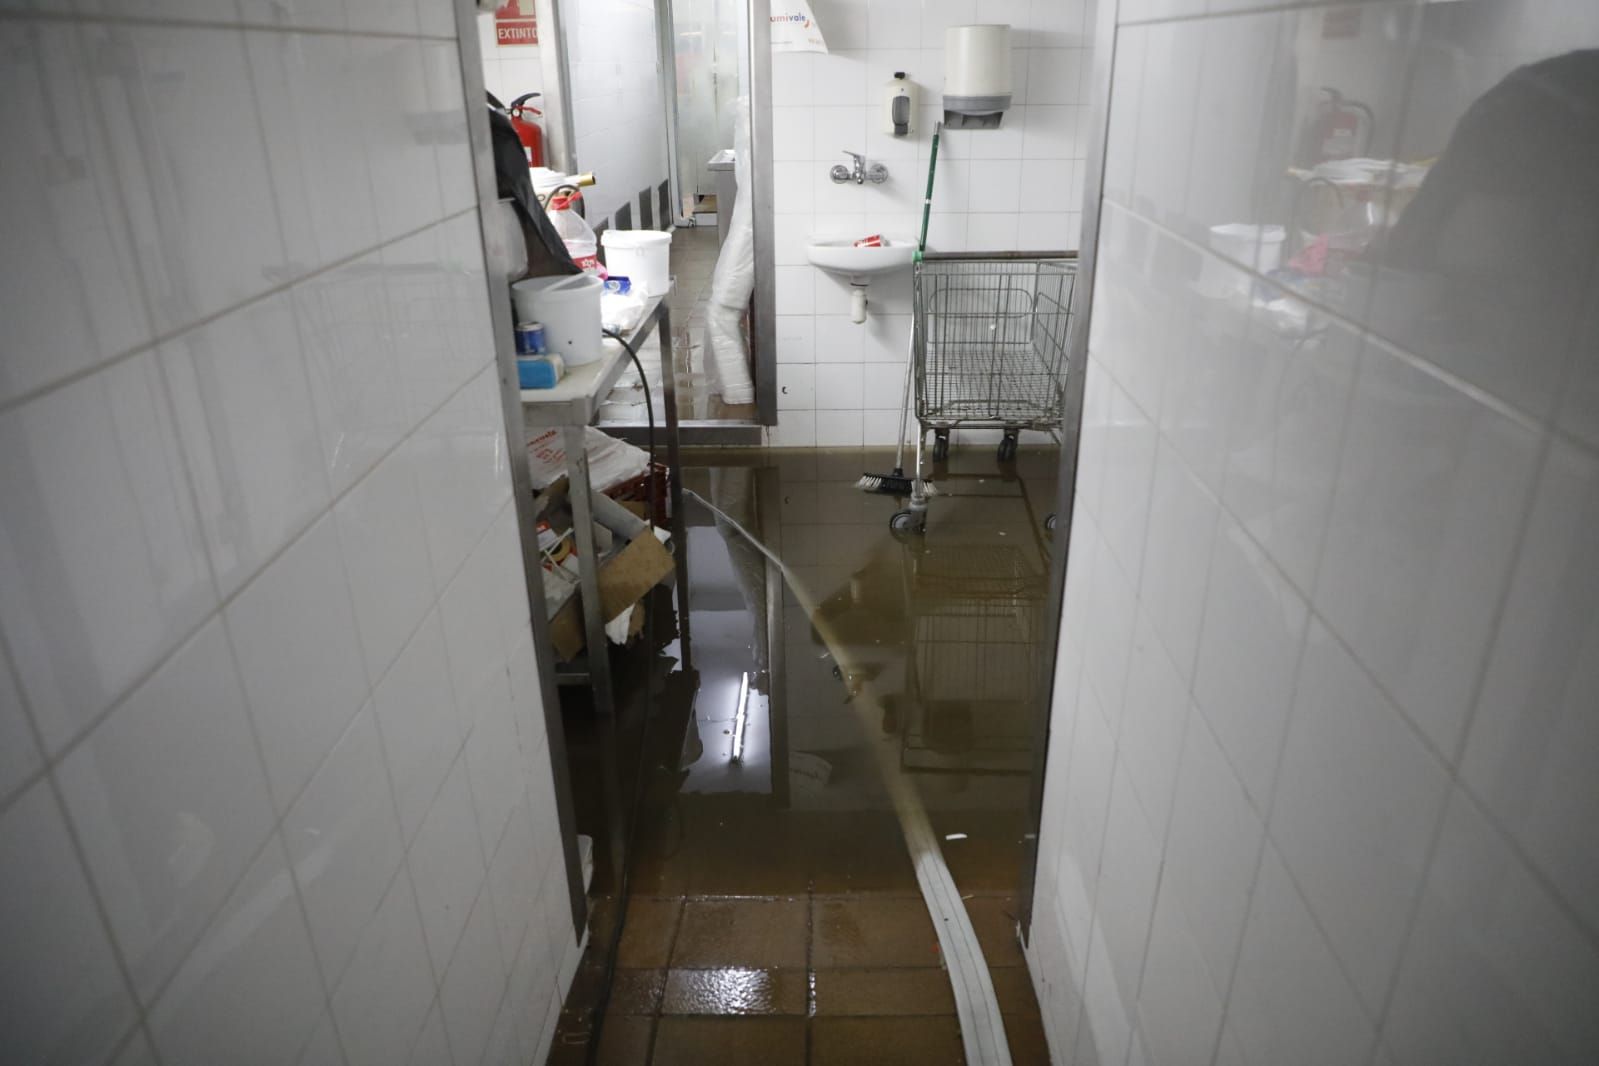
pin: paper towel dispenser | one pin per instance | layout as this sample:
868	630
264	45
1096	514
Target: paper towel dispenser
977	82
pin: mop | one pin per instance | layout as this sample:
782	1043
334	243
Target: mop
897	484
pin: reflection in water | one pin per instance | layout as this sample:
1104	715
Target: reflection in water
883	676
735	990
920	655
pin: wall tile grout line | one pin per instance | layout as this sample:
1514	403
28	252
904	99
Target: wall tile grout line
1314	613
117	19
161	339
81	734
1477	393
120	958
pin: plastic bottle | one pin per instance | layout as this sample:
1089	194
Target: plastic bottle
581	244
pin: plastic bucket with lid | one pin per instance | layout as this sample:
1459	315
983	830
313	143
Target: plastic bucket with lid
642	256
569	308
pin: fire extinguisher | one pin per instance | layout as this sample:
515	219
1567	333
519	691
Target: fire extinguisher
528	131
1341	129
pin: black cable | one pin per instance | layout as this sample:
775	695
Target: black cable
624	875
649	404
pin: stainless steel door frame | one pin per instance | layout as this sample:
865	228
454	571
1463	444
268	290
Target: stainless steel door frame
466	15
763	314
666	48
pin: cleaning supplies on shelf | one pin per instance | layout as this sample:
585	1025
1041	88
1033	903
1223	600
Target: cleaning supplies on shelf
539	371
576	233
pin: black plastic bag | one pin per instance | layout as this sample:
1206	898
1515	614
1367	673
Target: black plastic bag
546	252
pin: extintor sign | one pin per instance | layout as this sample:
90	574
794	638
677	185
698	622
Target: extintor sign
515	23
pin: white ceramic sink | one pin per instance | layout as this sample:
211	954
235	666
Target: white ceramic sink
840	256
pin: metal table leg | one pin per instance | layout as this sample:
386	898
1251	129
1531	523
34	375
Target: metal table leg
675	468
599	652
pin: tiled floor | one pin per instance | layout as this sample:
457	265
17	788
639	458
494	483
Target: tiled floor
818	978
774	914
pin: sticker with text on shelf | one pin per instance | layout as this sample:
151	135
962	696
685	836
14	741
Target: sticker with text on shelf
515	24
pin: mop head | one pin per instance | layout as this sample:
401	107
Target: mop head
895	484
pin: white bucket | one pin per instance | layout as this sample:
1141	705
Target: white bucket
1237	241
640	255
569	308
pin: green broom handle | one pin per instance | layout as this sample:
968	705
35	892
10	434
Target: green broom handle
927	202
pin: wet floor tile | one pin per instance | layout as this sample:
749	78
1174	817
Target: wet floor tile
625	1041
588	984
859	852
788	906
754	933
736	991
704	1041
886	1042
647	936
871	992
1013	988
636	992
994	921
985	856
850	931
1028	1045
662	866
570	1046
749	853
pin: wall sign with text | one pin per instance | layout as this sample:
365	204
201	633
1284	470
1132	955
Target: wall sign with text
515	24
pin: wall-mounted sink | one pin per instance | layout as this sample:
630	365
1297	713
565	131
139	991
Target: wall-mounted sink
840	256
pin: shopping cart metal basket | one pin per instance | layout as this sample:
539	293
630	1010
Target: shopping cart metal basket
988	349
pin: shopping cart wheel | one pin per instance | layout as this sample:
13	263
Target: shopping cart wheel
905	523
1007	446
940	445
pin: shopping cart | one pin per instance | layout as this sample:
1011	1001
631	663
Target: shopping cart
988	351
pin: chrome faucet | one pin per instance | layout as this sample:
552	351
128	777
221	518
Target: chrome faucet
877	173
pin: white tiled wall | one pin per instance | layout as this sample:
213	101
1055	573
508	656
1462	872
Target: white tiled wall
274	783
1018	187
1325	739
510	71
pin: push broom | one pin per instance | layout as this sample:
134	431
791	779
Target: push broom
897	484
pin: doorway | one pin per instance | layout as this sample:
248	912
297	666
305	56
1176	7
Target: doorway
644	99
709	51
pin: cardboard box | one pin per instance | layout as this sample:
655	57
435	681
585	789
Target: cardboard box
624	579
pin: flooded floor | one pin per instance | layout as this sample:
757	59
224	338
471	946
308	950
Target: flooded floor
771	910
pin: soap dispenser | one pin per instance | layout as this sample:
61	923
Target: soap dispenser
899	106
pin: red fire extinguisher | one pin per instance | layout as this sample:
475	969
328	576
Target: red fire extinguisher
528	131
1341	129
